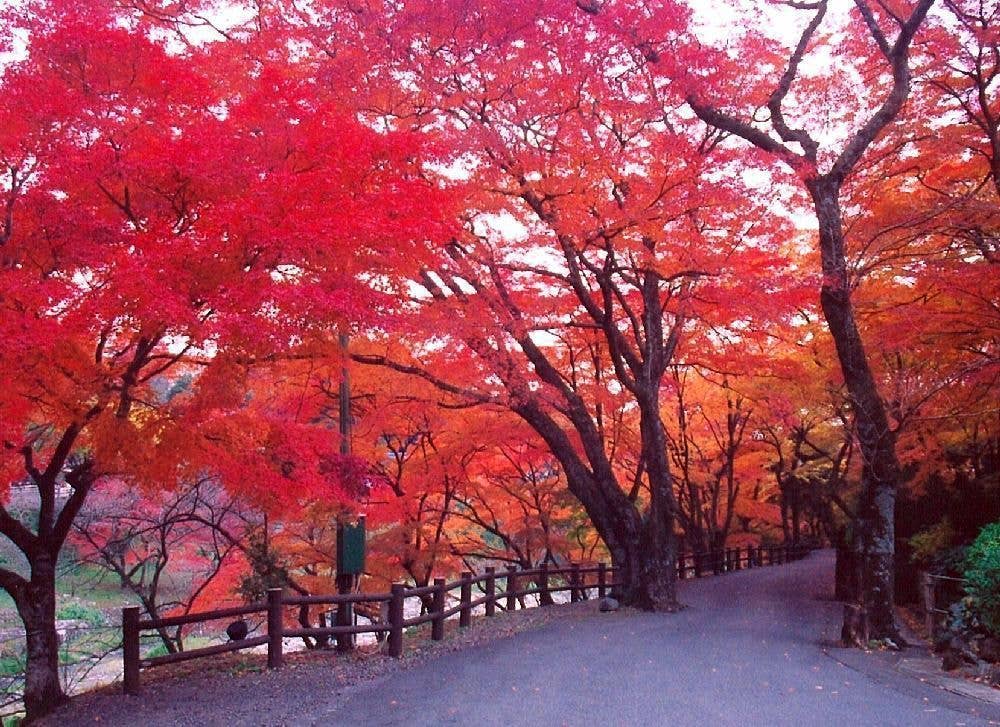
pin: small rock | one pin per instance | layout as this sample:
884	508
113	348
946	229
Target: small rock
237	630
892	645
989	649
609	604
993	675
950	660
956	653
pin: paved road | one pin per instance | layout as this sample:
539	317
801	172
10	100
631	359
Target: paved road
753	648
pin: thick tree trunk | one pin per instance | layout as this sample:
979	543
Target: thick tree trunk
654	586
643	554
644	573
880	472
37	607
642	546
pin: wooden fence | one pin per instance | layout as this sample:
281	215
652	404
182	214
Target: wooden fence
576	579
937	594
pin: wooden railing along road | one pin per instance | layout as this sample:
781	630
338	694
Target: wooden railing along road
576	579
937	594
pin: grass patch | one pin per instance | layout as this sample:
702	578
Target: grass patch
12	666
190	643
75	611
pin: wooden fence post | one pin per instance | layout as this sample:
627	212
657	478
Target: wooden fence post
130	649
574	582
602	579
345	612
275	627
465	613
396	620
511	587
544	597
929	597
437	625
491	591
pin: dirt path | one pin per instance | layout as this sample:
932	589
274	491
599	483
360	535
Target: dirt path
753	648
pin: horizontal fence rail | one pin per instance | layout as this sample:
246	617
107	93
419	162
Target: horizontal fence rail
580	581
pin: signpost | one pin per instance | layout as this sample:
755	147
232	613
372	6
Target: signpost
350	564
351	548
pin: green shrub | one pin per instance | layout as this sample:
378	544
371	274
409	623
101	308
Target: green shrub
80	612
930	543
12	666
158	650
982	574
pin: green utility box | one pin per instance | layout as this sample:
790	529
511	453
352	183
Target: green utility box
351	548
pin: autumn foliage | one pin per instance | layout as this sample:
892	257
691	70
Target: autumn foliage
606	282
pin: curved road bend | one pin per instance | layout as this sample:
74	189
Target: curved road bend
749	650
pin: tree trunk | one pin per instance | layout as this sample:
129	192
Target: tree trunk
846	573
644	575
544	597
783	504
654	584
642	547
796	516
42	689
880	472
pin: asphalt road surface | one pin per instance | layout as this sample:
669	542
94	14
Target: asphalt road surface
752	648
